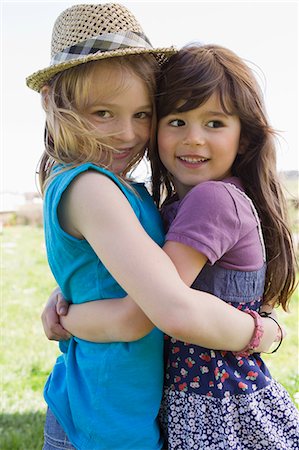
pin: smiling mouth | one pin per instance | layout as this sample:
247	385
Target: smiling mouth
122	153
192	159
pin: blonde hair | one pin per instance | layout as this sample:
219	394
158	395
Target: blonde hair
70	139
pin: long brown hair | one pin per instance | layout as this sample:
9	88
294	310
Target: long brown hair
69	138
192	75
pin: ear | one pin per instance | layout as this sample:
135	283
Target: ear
242	145
45	91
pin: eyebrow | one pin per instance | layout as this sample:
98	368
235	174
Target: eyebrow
219	113
109	105
211	113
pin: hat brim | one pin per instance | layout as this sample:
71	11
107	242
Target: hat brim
38	79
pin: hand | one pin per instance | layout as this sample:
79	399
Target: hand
268	309
270	327
56	306
281	332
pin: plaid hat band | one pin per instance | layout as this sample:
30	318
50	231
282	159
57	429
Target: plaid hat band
102	43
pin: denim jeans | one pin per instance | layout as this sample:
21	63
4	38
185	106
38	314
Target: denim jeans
54	436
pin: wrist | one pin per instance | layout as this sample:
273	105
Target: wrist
256	337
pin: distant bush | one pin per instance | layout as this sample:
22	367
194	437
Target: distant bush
29	214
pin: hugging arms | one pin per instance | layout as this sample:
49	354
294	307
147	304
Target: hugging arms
151	278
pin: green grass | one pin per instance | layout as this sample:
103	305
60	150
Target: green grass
284	364
27	356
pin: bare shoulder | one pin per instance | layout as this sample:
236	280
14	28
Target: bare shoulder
92	180
92	187
90	192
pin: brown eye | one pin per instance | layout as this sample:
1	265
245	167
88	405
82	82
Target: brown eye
177	123
103	114
215	124
143	115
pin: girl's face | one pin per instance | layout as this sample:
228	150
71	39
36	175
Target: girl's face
120	109
199	145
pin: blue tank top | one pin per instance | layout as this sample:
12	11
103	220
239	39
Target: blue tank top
105	396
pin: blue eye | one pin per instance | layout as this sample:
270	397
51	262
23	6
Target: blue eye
177	123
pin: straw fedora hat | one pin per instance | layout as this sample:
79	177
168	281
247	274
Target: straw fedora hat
92	32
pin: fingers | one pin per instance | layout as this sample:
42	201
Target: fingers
55	332
58	333
62	305
51	322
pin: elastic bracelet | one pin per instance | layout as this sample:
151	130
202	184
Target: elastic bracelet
256	337
268	316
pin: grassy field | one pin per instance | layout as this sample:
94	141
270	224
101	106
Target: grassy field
27	357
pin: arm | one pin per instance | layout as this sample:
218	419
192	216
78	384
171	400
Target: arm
98	314
190	262
119	319
147	273
122	319
113	320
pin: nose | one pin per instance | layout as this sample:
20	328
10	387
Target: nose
194	136
126	131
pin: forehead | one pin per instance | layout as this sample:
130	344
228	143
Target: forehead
109	79
215	102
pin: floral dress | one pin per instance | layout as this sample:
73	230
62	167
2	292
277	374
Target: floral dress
216	400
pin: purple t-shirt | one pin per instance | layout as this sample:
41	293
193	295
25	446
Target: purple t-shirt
215	219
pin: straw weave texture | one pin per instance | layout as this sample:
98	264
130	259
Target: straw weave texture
82	22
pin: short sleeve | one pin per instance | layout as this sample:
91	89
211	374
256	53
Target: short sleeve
207	220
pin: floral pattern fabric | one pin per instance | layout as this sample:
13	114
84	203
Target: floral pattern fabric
191	368
216	400
263	420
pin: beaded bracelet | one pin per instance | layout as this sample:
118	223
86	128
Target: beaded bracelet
268	316
256	337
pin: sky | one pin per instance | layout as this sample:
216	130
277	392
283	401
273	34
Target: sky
265	34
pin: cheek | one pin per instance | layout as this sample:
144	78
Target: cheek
147	133
237	136
102	127
232	143
164	145
144	131
236	146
